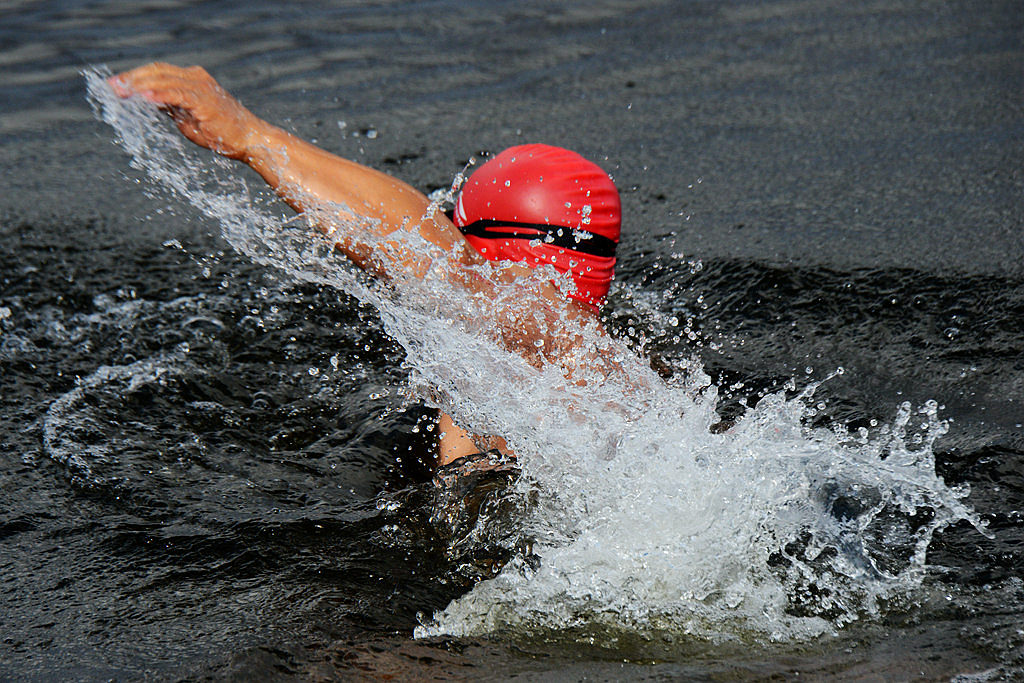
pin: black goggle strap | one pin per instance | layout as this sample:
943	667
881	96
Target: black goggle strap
557	235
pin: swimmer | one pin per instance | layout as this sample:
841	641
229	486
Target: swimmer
529	204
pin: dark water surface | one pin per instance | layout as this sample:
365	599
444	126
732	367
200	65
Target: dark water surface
211	471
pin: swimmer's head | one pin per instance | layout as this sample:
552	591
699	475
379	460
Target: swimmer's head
541	204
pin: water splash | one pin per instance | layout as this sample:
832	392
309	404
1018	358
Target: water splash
80	442
642	516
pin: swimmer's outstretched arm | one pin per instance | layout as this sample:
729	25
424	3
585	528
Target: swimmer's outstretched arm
306	177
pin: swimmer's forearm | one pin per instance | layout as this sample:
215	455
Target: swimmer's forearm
308	177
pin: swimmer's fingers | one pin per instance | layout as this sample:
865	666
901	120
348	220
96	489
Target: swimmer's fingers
205	113
176	89
157	82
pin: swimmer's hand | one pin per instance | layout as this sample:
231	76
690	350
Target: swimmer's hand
205	113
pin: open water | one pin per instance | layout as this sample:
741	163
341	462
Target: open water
214	434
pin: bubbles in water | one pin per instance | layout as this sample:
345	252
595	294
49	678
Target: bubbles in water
75	442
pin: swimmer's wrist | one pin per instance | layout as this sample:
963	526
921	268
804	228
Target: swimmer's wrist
259	136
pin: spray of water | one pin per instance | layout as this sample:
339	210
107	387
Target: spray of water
640	515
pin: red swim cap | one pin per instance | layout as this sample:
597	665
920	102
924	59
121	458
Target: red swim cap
542	204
